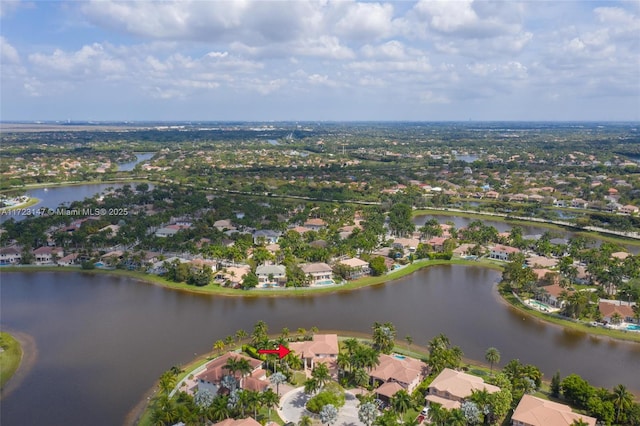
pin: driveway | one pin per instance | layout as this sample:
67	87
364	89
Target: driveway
293	402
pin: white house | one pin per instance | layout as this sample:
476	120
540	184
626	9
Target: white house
501	252
10	255
270	275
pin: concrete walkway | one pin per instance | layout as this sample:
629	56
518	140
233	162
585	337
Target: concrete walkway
292	408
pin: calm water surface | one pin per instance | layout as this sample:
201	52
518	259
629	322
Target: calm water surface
103	340
53	197
460	222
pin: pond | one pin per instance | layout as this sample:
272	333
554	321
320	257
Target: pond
102	340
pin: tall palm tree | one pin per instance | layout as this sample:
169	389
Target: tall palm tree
244	368
254	401
438	414
622	400
401	402
361	377
241	334
492	355
321	374
231	366
270	399
218	346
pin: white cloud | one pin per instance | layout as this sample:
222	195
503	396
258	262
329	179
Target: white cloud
366	21
8	53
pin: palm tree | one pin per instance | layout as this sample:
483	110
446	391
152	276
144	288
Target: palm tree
401	402
622	400
579	422
244	368
492	355
218	346
285	333
321	374
277	379
305	421
167	382
254	401
367	413
437	414
329	414
231	366
270	399
310	386
241	334
301	332
361	377
456	418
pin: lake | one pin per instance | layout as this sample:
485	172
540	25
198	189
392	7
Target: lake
102	341
140	157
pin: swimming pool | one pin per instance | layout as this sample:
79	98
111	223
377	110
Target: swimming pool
398	356
633	327
324	282
539	305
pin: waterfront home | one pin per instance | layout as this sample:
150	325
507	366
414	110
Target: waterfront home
321	348
271	275
532	411
214	371
68	260
10	255
579	203
501	252
452	387
397	372
357	267
266	236
608	309
463	249
46	255
170	230
233	275
620	255
552	294
541	262
318	273
491	195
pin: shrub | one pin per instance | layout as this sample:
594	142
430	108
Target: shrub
331	394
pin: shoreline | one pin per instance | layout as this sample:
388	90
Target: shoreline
32	201
214	290
28	357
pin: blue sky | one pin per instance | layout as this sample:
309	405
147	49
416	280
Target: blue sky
320	60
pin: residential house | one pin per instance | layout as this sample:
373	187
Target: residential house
214	371
249	421
315	224
491	195
266	236
233	274
452	387
396	372
552	295
357	267
68	260
437	243
533	411
318	273
321	348
609	309
10	255
170	230
271	275
224	224
410	244
47	255
579	203
501	252
629	209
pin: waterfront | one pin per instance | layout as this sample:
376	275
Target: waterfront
103	340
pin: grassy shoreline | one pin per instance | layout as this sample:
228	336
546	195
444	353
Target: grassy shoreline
32	201
10	357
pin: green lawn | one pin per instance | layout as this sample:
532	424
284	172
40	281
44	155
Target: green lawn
10	357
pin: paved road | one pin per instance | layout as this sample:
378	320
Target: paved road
293	402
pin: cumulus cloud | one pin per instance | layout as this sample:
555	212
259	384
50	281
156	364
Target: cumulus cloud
9	55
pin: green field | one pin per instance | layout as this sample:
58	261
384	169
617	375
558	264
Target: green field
10	357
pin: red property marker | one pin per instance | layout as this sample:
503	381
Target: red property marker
281	351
